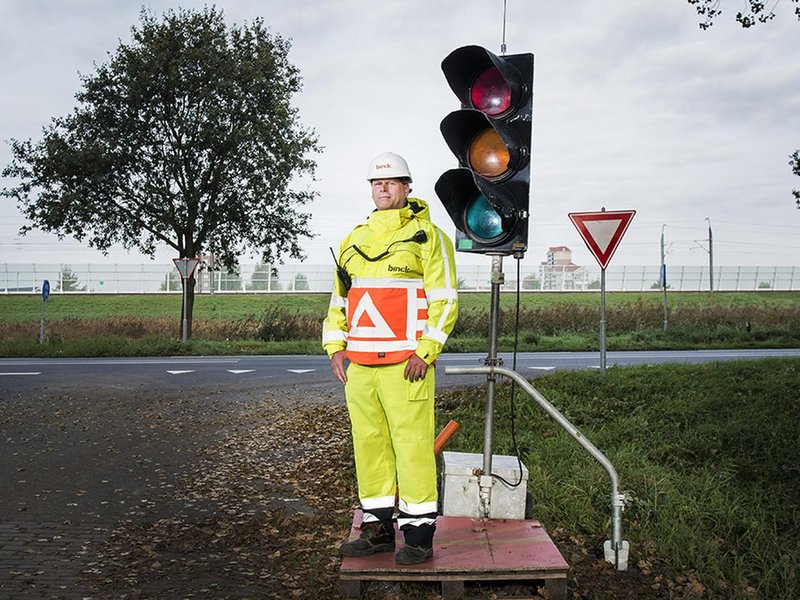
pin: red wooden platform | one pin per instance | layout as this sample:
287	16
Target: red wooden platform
466	549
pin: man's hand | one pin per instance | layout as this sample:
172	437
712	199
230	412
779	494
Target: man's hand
337	364
416	368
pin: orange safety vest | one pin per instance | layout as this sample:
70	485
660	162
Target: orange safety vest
386	317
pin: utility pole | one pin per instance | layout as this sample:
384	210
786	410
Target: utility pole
710	258
664	280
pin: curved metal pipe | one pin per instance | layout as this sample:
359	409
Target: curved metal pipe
616	548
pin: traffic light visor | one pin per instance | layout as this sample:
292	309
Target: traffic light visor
483	81
489	148
490	93
484	214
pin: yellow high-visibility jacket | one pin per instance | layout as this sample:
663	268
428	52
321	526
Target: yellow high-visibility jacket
403	295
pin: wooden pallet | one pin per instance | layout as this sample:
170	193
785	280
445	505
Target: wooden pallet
466	549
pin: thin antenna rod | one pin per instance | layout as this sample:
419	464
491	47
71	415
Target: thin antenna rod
503	44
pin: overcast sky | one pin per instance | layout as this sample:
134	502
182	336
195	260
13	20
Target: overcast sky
635	107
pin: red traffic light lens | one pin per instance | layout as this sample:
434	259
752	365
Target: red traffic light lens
491	93
488	155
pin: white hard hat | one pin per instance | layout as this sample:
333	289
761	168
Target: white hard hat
388	165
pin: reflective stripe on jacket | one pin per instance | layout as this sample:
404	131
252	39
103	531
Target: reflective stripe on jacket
403	297
386	317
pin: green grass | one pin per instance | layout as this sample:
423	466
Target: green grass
101	324
21	308
28	307
708	455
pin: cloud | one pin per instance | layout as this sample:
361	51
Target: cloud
635	107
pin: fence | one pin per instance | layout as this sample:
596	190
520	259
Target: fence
259	278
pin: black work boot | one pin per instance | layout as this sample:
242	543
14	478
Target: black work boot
377	536
419	544
413	555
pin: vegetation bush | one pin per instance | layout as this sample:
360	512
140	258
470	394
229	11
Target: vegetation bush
546	321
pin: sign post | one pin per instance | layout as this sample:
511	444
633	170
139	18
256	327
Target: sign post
45	296
186	267
602	232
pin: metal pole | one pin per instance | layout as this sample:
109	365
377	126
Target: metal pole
503	43
664	280
603	321
710	258
497	279
41	323
185	323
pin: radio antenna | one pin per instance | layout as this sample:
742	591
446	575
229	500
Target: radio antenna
503	43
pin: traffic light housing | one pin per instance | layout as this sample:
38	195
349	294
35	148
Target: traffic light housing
487	196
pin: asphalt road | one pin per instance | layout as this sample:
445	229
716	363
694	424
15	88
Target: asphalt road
207	373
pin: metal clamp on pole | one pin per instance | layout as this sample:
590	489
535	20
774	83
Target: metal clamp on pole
616	550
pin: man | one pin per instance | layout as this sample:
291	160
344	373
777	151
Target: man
394	303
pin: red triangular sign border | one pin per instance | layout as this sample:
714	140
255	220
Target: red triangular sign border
603	257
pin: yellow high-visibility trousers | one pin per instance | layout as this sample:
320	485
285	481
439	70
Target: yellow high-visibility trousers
393	431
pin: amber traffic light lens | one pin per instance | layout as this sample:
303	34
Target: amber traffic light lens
488	154
490	93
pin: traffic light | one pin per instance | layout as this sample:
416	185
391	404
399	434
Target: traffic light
487	196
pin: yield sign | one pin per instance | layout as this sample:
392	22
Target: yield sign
186	266
602	231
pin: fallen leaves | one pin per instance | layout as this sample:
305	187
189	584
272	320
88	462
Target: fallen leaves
266	495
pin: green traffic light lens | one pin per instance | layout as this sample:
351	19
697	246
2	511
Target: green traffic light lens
490	93
482	220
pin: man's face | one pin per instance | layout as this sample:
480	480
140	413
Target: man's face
389	193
